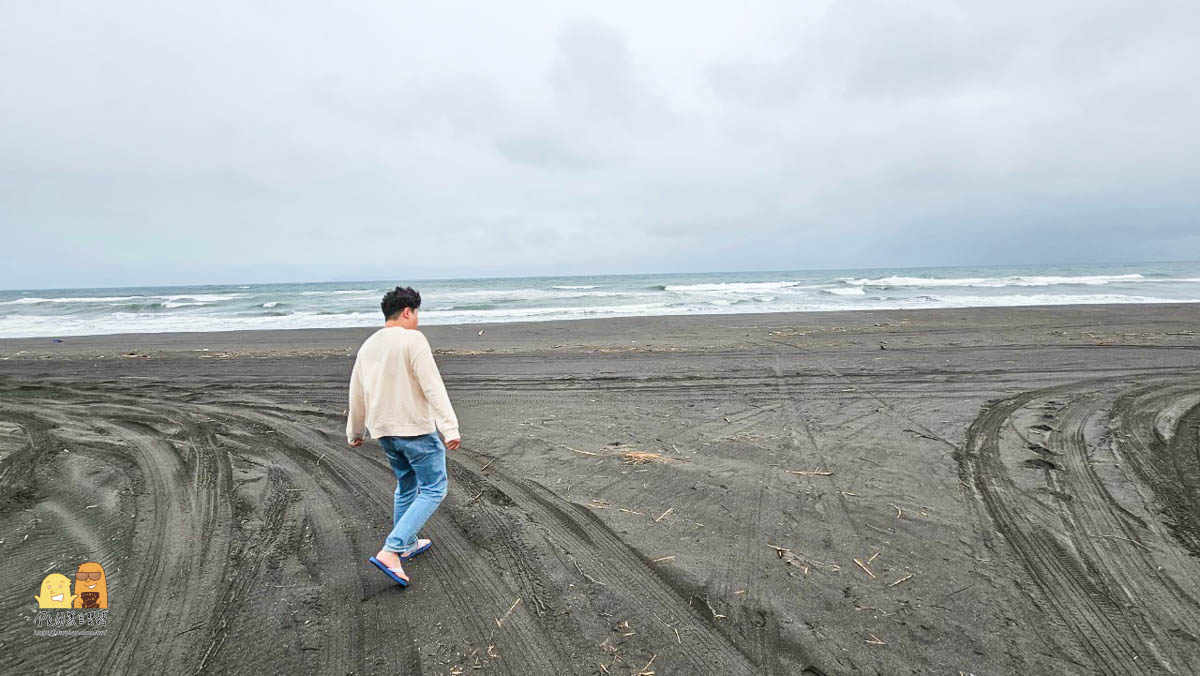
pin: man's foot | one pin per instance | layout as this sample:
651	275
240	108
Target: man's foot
393	562
422	545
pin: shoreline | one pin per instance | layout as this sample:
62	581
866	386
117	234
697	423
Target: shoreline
600	333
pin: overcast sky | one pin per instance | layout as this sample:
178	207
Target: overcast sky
154	143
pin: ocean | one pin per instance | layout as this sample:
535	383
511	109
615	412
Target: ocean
74	312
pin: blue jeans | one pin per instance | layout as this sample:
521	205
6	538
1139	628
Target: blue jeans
420	466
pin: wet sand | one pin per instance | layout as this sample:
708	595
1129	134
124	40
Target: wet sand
987	491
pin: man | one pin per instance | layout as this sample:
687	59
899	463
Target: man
396	392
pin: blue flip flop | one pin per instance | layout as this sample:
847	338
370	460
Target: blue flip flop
388	571
416	551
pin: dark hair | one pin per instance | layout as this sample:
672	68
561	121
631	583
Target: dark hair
399	298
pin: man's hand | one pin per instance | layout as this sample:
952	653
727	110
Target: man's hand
453	444
356	443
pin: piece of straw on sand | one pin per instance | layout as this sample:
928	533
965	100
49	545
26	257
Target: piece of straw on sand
579	451
865	569
809	472
643	457
589	577
500	620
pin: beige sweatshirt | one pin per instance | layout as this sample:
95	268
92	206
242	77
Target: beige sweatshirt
396	389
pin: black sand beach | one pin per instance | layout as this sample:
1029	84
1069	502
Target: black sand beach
986	491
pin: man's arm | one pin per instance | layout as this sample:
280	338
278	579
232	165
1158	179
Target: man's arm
430	379
357	411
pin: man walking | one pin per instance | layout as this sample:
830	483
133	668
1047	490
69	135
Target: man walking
396	392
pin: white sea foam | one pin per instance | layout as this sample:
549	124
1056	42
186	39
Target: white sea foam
562	312
994	282
846	291
14	326
273	303
31	300
510	295
1015	300
573	288
731	287
607	294
345	292
206	297
197	298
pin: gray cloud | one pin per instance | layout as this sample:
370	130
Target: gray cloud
144	144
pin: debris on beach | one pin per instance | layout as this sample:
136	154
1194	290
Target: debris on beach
809	472
715	614
579	451
643	457
585	575
792	559
630	457
922	435
500	620
865	569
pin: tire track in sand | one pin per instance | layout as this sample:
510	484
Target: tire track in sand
163	554
622	576
1095	562
522	647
